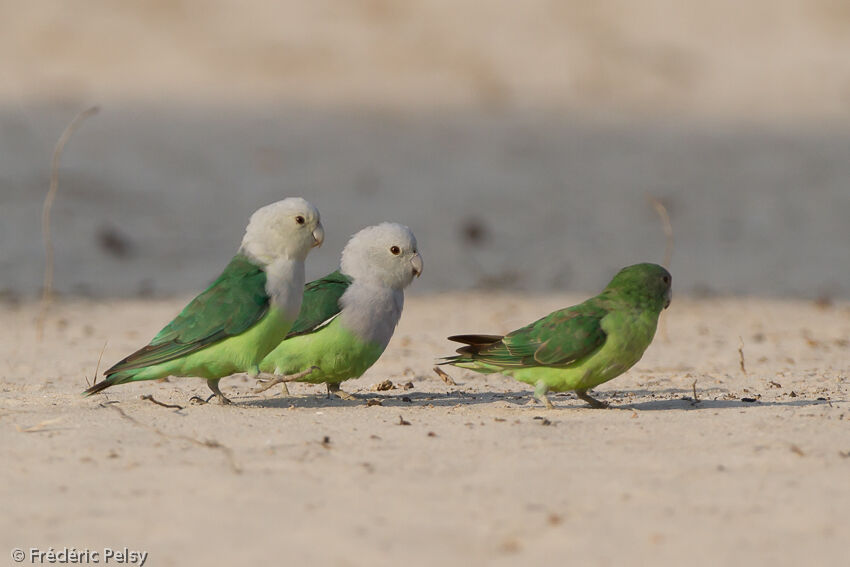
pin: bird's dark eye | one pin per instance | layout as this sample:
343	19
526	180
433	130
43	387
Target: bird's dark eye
395	250
665	279
299	219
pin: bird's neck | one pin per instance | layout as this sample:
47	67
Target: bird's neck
285	285
634	299
371	311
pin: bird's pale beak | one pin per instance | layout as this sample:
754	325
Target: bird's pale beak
418	265
318	235
668	296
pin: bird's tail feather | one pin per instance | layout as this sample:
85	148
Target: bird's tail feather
98	387
452	359
109	380
473	344
476	340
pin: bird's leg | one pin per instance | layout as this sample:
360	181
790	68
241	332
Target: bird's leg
213	385
335	390
592	402
540	390
266	384
265	377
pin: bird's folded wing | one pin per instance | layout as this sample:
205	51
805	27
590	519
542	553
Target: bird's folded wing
320	304
558	339
231	305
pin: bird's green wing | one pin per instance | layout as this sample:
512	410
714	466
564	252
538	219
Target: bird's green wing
558	339
231	305
563	337
320	303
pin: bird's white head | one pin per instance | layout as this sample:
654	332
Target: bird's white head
285	229
385	254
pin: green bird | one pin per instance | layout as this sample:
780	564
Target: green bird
579	347
243	315
348	317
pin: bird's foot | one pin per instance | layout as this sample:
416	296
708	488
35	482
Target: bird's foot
222	399
591	401
335	390
540	392
216	393
265	384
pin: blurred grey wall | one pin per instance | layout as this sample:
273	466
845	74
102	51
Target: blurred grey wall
520	141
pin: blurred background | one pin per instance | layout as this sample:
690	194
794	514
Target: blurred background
521	141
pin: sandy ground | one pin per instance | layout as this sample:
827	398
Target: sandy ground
754	472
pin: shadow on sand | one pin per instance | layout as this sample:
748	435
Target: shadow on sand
675	399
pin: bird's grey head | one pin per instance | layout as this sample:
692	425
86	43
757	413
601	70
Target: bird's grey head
285	229
385	254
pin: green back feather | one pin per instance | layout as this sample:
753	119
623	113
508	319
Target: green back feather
229	306
558	339
320	303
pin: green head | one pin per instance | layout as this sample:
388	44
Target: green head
646	284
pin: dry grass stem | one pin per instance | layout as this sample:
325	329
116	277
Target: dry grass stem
667	227
445	377
47	287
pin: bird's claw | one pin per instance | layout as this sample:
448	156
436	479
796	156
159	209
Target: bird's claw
223	400
216	393
335	390
265	384
540	391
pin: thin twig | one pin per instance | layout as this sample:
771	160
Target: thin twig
741	355
694	387
47	288
667	227
150	398
38	427
446	378
209	443
97	366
